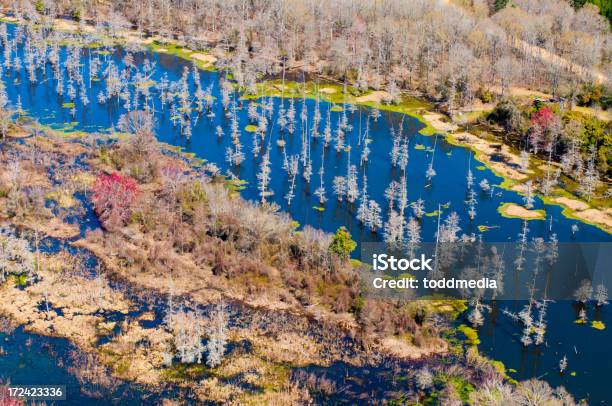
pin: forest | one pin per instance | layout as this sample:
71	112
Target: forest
189	190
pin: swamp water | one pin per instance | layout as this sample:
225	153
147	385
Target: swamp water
447	189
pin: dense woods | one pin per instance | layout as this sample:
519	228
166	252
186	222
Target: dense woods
447	49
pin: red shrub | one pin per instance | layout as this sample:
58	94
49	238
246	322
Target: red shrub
113	196
544	127
544	118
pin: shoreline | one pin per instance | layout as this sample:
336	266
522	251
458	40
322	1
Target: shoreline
409	105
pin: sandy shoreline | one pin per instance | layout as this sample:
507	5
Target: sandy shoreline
512	210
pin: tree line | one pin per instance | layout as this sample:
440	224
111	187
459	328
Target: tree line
444	49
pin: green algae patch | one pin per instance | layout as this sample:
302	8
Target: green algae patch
598	325
470	334
500	367
251	128
443	305
580	321
76	42
65	131
420	147
235	185
336	109
171	48
514	211
481	167
318	208
339	94
68	105
433	213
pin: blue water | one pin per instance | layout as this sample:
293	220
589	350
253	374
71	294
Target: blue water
41	102
586	349
30	359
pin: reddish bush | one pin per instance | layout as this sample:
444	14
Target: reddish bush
113	196
544	128
543	118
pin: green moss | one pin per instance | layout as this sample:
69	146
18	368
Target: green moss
180	372
336	109
463	387
20	280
